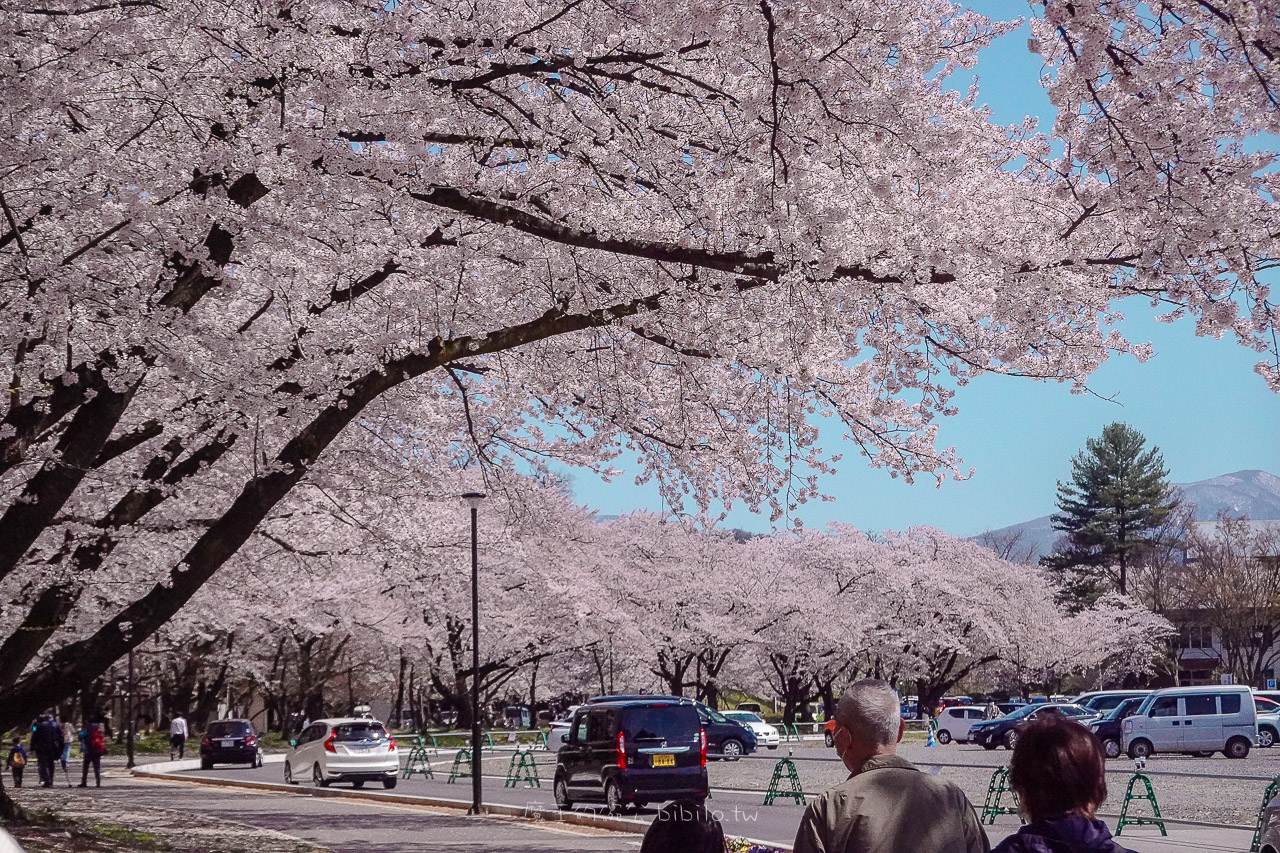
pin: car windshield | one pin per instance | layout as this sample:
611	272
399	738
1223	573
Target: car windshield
1072	711
1021	712
743	716
677	724
359	731
1126	707
229	728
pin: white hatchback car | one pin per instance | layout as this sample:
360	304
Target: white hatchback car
348	749
954	722
766	735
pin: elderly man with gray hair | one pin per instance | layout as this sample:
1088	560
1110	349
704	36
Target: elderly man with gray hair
887	805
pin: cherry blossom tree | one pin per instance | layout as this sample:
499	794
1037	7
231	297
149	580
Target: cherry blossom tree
235	236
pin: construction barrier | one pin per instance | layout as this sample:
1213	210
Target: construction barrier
994	805
418	761
1153	819
790	731
522	769
1267	796
785	769
461	765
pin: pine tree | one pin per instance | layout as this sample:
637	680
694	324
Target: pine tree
1110	512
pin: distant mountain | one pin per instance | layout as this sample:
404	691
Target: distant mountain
1252	493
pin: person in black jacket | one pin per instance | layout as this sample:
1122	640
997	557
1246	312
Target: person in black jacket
46	743
1058	771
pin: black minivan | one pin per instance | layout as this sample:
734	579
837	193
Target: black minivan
230	742
632	752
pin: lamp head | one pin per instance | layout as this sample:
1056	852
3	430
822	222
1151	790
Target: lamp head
473	499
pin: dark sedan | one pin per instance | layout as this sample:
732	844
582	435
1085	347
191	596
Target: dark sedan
230	742
1004	730
1108	728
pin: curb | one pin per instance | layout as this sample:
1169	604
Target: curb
533	813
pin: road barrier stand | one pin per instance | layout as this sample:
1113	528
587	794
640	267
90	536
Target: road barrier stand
522	769
790	731
996	789
418	761
1267	796
461	765
1153	819
785	769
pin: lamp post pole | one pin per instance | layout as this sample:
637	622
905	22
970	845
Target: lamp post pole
473	499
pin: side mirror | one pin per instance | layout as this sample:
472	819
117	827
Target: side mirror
564	738
293	743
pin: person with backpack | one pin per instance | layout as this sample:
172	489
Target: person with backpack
17	761
95	746
46	743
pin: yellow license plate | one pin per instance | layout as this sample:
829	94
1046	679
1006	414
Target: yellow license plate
664	761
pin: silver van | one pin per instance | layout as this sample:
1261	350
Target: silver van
1194	720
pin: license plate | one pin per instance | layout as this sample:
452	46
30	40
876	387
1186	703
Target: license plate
664	761
228	743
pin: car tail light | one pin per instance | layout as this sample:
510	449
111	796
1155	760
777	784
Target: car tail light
391	747
328	744
702	735
622	751
204	741
250	740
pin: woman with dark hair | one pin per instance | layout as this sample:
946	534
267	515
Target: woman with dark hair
684	826
1058	772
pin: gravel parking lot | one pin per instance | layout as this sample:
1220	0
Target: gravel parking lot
1213	797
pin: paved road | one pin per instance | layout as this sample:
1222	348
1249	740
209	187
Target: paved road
742	813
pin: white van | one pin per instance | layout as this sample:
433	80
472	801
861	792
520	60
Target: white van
1195	720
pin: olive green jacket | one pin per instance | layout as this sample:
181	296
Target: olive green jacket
889	806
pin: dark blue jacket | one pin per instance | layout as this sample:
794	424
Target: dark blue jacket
1066	834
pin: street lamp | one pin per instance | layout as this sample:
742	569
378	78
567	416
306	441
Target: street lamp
473	499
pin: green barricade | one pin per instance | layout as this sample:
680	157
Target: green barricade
418	761
461	765
1272	790
522	769
994	805
785	769
1154	819
790	731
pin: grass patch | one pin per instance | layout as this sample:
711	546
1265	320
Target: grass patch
135	839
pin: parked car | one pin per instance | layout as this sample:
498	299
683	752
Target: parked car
1269	834
632	752
954	723
1268	727
230	742
349	749
766	735
1109	728
753	707
1103	701
557	728
725	738
1194	720
1004	730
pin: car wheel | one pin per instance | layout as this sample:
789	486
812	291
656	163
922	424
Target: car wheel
1266	737
357	783
389	782
944	737
613	803
990	745
774	746
1237	747
1011	738
317	776
1111	747
206	764
1204	753
288	774
828	739
1140	748
731	749
561	792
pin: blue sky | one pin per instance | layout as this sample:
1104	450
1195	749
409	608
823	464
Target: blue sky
1198	399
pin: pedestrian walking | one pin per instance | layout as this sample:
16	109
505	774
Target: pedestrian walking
68	736
1058	771
178	736
95	748
887	805
993	710
16	761
683	826
46	743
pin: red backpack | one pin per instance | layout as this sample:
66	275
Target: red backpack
97	743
